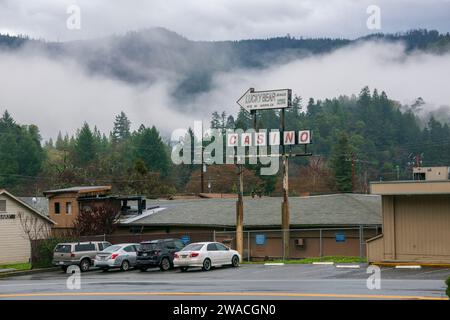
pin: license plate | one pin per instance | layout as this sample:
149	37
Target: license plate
184	256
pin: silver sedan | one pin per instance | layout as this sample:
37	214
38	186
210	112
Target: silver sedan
121	256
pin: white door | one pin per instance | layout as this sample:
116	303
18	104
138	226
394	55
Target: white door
224	253
213	254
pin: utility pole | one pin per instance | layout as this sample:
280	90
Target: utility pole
353	173
240	203
202	169
285	218
202	173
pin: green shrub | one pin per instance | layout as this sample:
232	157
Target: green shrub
43	251
447	282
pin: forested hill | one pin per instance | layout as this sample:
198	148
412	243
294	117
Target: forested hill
356	139
144	56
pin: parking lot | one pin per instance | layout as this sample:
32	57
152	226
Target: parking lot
246	282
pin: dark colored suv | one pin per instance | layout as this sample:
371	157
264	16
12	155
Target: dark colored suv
157	253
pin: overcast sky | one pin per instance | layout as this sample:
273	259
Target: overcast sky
220	19
58	95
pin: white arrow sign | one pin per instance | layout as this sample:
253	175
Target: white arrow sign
261	100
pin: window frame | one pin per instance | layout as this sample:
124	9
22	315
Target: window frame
57	204
225	248
70	205
212	244
3	201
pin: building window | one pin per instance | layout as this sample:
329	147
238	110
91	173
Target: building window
68	207
2	205
57	208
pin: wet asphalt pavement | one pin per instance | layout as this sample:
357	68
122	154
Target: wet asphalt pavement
245	282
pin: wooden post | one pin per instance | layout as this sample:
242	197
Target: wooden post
285	204
240	213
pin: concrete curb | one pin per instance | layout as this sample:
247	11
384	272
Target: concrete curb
25	272
393	264
323	263
274	264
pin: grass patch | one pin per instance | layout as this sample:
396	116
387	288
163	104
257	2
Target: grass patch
17	266
335	259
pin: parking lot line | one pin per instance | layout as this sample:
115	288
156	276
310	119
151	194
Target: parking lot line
348	266
234	294
433	271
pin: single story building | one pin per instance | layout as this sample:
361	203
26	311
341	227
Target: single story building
19	223
324	225
416	222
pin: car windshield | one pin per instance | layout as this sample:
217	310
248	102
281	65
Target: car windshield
148	246
193	247
112	249
63	248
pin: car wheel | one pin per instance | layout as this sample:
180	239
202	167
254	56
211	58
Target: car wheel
206	265
85	264
183	269
235	261
143	269
125	266
165	264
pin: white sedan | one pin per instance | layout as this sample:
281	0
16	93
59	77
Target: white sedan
206	255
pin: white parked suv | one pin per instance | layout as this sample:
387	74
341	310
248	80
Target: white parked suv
206	255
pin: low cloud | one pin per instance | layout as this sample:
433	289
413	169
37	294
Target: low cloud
404	77
57	95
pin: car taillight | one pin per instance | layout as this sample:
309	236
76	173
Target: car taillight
194	254
72	255
176	255
114	255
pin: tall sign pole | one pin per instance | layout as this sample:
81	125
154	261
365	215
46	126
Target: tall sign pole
240	213
285	218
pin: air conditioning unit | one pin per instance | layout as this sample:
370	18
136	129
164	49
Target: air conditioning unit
300	242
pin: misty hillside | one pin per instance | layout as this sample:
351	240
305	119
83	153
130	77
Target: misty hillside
143	57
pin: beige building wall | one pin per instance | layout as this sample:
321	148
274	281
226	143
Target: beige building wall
433	173
415	228
14	244
422	227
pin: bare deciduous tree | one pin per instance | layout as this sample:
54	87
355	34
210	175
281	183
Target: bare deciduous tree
34	229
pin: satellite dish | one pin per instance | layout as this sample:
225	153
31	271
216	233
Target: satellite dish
34	200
